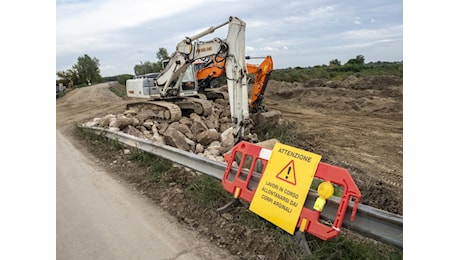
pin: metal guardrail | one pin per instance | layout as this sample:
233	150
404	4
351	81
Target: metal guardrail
370	222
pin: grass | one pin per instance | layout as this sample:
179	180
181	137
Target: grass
269	131
98	140
119	91
341	247
157	167
299	74
207	192
60	94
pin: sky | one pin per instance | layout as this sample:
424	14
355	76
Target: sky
123	33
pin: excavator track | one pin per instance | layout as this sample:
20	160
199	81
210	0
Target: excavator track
173	109
190	105
159	110
213	94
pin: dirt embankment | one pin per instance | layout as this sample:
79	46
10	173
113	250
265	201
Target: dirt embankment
356	124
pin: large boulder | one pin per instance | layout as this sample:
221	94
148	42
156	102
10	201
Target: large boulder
174	138
208	136
198	126
227	138
186	131
131	130
269	118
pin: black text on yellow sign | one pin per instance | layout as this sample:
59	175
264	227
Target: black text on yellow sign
284	186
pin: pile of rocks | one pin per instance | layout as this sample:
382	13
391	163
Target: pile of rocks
210	136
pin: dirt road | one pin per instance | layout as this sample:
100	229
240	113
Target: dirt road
98	217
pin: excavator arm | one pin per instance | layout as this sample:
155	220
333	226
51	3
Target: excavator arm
208	71
214	68
260	83
237	77
186	53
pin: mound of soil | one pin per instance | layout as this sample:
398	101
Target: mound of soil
356	124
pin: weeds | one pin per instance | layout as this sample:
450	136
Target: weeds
98	139
119	91
269	131
208	192
299	74
156	166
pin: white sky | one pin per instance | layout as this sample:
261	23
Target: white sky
123	33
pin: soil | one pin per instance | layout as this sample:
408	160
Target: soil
356	124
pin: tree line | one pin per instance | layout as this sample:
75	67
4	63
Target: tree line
86	71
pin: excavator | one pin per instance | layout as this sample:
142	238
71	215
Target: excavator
209	71
175	90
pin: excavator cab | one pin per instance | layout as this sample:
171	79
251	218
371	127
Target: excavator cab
144	87
189	83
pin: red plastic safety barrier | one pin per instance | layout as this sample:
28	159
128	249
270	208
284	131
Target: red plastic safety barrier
250	162
237	183
309	218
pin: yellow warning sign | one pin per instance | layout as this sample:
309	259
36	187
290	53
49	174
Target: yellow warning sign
284	186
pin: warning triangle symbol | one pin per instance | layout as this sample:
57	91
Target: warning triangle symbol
287	174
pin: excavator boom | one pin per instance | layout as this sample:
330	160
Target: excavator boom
209	71
260	83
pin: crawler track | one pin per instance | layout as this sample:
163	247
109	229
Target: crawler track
160	110
171	110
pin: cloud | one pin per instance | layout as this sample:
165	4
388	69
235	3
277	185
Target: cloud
120	33
322	12
83	24
357	20
372	34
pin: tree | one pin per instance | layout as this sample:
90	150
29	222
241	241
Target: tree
122	78
359	60
144	68
162	54
67	76
149	67
87	70
334	62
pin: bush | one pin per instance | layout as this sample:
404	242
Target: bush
337	72
123	78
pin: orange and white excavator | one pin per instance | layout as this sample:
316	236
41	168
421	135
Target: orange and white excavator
175	90
208	72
